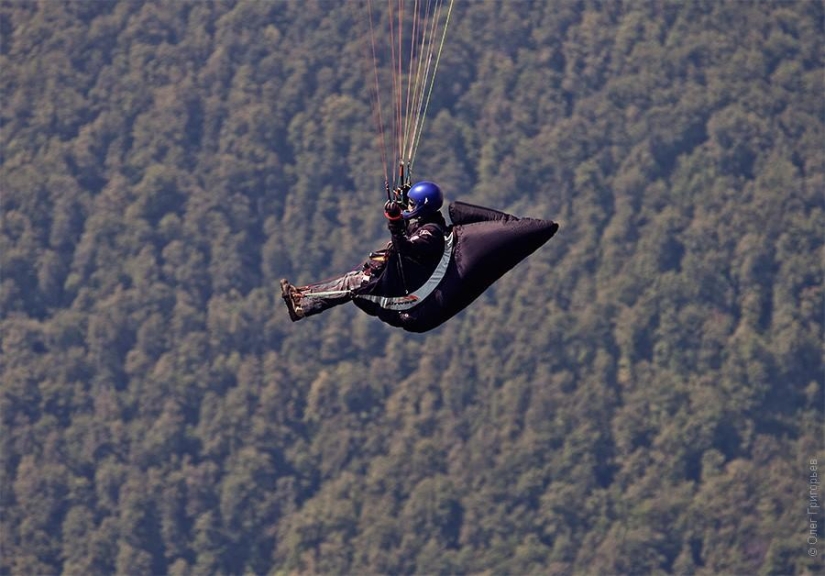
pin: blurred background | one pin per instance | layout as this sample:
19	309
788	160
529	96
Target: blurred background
641	395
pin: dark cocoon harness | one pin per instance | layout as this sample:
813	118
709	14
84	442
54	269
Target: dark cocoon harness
486	245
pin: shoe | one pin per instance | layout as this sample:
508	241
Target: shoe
291	296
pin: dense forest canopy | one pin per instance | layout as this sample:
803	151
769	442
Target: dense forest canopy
643	394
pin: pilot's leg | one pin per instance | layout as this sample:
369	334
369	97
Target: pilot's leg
302	301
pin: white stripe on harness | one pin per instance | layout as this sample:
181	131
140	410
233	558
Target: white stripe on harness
411	300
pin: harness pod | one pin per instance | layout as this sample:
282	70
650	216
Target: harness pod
482	246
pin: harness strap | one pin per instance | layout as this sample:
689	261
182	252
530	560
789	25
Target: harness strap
411	300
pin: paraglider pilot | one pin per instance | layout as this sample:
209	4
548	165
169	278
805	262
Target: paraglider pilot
416	247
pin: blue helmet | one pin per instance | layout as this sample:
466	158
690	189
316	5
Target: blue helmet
423	198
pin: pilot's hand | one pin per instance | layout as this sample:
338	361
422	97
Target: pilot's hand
392	210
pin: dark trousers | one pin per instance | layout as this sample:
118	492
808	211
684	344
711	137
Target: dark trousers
315	298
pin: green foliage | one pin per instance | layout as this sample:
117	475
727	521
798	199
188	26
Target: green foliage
641	396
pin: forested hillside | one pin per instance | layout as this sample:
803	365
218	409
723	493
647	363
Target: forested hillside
642	395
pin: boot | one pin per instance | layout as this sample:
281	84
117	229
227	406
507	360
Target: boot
292	297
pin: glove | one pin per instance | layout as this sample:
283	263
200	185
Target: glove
392	210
